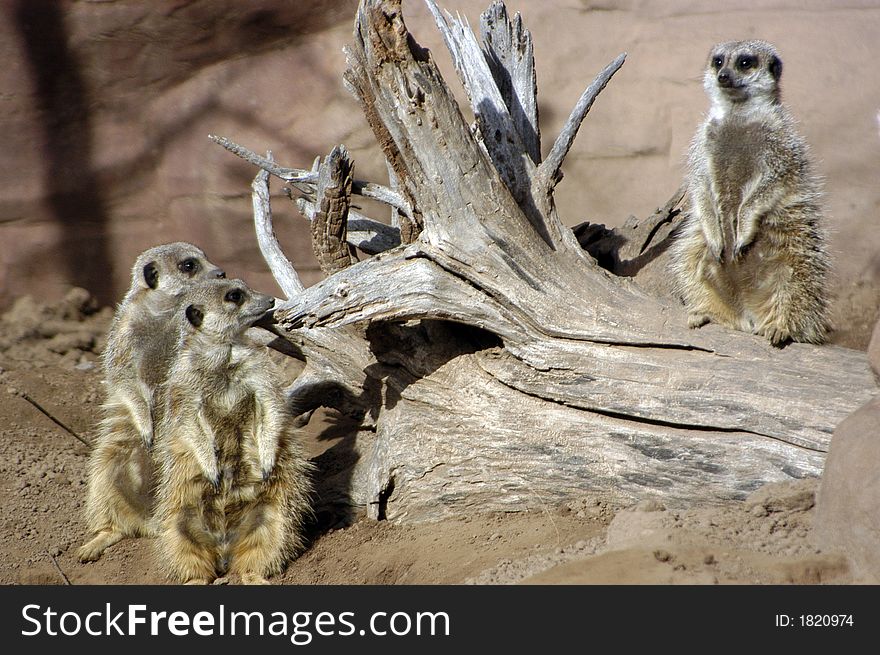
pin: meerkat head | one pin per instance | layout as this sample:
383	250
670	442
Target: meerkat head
743	71
172	267
224	309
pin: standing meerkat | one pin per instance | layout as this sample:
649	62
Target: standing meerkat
234	487
141	345
751	254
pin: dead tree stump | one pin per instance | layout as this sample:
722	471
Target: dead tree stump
494	364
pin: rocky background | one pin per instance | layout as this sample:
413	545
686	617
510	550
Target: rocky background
105	108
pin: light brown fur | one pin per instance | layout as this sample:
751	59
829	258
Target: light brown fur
235	486
751	254
140	347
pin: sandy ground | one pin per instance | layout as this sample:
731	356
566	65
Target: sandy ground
50	392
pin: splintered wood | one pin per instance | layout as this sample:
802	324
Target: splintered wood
493	363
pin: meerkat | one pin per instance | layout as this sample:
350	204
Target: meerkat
751	254
234	483
141	345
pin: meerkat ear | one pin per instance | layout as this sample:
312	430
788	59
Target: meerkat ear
195	316
775	67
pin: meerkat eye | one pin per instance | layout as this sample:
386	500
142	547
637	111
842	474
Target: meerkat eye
189	265
717	60
746	62
235	296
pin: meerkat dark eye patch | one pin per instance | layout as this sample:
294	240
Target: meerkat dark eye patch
195	315
189	266
717	61
746	62
151	275
235	296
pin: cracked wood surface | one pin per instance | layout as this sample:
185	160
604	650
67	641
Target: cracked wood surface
497	364
329	221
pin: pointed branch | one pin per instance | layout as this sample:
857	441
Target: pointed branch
500	136
549	170
305	180
282	270
299	177
329	223
507	47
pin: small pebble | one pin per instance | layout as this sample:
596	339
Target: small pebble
662	555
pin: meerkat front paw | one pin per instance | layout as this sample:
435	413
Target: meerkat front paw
206	457
778	336
741	249
716	252
697	321
92	550
147	440
267	465
214	479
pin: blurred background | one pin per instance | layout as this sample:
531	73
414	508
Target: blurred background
106	107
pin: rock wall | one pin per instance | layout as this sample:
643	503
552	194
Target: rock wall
106	108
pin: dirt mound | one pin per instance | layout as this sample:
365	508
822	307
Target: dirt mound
69	332
766	539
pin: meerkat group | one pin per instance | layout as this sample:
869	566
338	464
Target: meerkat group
195	446
751	254
141	346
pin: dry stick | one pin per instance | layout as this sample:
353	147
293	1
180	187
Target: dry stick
549	170
53	419
58	568
280	266
306	180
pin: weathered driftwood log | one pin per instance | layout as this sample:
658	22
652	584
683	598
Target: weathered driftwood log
494	363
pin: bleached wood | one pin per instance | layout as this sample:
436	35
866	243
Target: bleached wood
282	270
305	180
498	366
508	49
550	168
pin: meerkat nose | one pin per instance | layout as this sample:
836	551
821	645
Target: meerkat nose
724	77
220	273
271	302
